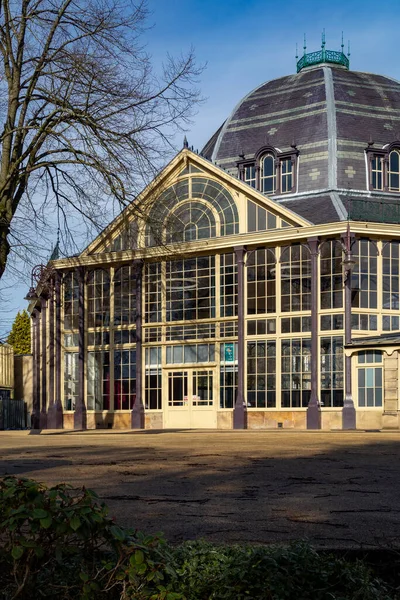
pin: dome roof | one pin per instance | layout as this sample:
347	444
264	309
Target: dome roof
329	114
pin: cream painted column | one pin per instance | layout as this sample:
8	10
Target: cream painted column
390	417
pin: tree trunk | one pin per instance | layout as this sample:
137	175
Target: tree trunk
5	221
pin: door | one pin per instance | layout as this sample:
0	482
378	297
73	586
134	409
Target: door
191	399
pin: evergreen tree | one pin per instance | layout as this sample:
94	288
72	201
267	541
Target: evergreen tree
20	335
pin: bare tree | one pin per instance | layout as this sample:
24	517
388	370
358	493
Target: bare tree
84	115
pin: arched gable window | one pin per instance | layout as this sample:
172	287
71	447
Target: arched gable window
190	221
208	205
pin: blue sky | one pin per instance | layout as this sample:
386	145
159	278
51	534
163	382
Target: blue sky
244	44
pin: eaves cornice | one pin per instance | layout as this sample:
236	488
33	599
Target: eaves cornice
273	237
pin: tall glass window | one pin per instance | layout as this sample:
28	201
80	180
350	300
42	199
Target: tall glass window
391	275
268	174
261	374
70	380
71	300
331	275
190	287
364	275
394	171
98	380
152	287
124	296
250	175
153	379
228	285
228	375
295	278
98	291
332	371
286	175
296	373
124	379
377	173
370	383
261	273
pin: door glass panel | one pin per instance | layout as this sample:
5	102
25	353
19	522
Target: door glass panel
177	388
202	388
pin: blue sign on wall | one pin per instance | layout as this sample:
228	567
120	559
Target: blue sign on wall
229	352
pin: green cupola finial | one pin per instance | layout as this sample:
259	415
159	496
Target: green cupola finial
323	44
323	55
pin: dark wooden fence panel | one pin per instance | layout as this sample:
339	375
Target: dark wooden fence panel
12	412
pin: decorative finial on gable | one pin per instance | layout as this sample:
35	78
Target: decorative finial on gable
185	142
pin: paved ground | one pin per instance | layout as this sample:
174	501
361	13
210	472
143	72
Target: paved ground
336	489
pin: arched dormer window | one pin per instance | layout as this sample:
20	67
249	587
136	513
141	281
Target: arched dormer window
394	171
267	174
384	167
270	171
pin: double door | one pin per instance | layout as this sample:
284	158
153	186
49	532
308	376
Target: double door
191	401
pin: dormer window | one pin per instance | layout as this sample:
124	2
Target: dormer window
270	171
268	175
384	167
394	171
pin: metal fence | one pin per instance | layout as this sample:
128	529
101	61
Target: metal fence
13	413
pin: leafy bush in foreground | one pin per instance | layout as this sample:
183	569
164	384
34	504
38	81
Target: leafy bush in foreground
298	571
60	543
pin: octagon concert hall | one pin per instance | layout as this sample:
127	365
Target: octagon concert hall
258	288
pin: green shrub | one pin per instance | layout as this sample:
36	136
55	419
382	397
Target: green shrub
209	572
62	542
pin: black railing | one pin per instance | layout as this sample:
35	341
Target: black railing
323	56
